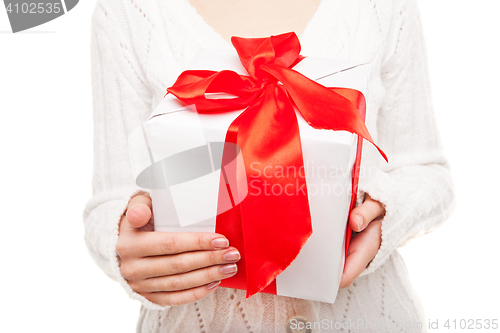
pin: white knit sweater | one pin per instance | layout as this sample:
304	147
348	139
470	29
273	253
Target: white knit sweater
139	47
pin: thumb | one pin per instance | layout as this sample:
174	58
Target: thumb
362	215
138	211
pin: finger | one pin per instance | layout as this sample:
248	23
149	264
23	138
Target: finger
175	298
144	244
187	280
363	248
139	211
362	215
181	263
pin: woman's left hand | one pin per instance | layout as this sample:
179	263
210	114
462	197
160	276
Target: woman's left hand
366	220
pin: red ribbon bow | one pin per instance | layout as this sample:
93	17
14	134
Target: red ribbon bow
270	230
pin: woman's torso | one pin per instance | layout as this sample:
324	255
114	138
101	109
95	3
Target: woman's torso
339	29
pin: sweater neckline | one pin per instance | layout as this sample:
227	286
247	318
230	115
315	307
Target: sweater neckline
191	15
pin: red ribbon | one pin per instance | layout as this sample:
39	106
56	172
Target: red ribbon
270	230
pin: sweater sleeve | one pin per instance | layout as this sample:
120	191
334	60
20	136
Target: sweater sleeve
121	102
415	186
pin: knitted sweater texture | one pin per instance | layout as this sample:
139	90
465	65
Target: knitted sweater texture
138	49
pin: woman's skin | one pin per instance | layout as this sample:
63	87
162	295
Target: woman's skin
182	267
256	18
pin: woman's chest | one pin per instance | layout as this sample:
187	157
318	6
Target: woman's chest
256	18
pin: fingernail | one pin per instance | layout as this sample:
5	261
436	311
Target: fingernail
359	221
213	285
232	256
228	269
220	243
131	212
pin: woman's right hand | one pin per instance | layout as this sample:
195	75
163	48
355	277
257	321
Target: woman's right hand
170	268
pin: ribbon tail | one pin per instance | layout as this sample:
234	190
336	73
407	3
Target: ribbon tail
321	107
268	135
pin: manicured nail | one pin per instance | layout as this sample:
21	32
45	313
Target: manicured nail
359	221
228	269
132	212
232	256
220	243
213	285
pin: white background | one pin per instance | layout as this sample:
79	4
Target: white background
49	282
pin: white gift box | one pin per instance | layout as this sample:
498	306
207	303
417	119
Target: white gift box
182	165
